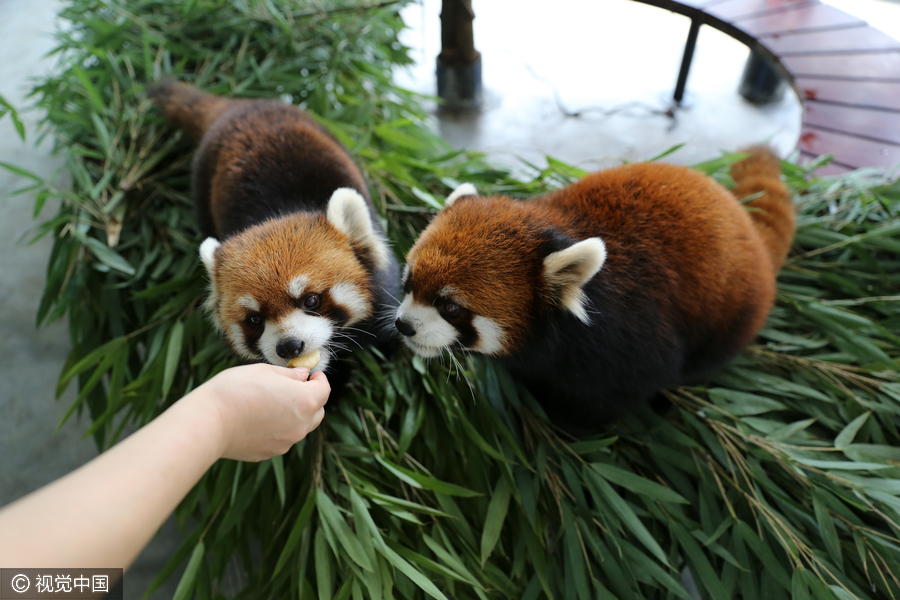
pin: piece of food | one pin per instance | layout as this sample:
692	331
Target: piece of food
307	360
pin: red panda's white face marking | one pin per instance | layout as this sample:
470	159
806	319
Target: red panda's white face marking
353	300
236	337
298	285
483	269
248	302
286	287
490	336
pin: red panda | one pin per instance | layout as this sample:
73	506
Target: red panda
598	295
294	251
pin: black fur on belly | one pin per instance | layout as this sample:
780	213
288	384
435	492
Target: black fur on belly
587	376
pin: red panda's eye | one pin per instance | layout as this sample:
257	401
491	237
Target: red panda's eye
451	308
311	302
255	320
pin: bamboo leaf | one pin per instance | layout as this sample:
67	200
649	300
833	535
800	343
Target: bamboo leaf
294	537
108	256
92	93
21	172
8	109
348	541
764	553
189	578
415	575
324	580
637	484
423	481
496	515
799	588
703	570
278	470
173	353
827	529
629	518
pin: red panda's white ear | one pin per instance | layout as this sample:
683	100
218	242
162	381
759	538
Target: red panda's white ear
566	272
465	189
208	255
349	214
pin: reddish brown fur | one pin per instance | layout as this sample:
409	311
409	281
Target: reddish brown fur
715	259
237	147
189	108
499	274
772	212
710	255
251	151
265	258
264	176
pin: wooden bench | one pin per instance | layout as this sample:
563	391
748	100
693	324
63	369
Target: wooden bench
846	73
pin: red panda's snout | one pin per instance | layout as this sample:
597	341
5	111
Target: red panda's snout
296	333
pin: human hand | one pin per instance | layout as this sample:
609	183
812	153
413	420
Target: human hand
263	409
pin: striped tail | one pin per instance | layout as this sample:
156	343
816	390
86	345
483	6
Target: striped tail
187	107
772	211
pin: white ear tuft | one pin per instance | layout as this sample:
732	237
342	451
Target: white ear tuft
566	272
208	255
349	214
465	189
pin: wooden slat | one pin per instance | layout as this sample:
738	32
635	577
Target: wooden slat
735	9
845	69
804	18
876	66
864	122
705	3
874	94
849	150
851	39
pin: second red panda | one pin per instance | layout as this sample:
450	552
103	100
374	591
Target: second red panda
598	295
294	251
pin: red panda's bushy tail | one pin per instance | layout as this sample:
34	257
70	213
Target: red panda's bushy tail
772	211
187	107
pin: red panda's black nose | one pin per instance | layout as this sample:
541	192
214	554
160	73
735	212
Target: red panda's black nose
404	328
289	348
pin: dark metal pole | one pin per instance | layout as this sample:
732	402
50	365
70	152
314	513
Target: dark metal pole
761	83
459	63
686	59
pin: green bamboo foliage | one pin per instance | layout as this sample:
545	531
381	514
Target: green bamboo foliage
777	479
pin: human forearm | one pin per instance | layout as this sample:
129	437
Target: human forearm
104	513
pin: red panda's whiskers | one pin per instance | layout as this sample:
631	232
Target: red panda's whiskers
460	371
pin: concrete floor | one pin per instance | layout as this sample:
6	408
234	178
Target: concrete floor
601	60
616	54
